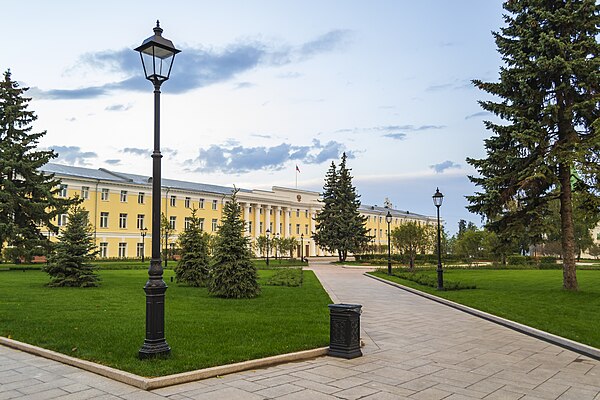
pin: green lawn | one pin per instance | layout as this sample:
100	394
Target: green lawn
106	324
531	297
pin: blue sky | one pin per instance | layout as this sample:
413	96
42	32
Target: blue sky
263	86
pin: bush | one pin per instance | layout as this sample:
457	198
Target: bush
520	260
431	281
286	277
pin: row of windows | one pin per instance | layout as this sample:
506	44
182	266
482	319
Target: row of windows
141	224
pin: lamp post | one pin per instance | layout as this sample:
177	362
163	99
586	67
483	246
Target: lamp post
388	219
143	233
302	247
438	199
157	54
268	231
276	244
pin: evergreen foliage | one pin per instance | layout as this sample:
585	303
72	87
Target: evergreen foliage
193	266
550	104
233	275
28	201
69	265
340	226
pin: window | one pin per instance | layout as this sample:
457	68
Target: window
306	213
123	221
62	191
290	228
187	222
306	229
173	200
281	228
141	198
297	213
214	204
271	226
123	196
85	192
187	202
103	250
140	250
380	233
201	203
103	220
140	221
172	221
260	227
122	250
214	224
260	210
62	219
297	229
270	211
250	227
104	195
201	224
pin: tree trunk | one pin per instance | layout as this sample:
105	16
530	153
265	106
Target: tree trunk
567	229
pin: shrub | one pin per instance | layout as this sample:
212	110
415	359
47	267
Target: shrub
431	281
286	277
520	260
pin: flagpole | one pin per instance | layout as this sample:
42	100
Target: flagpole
296	178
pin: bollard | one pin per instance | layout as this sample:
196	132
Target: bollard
344	330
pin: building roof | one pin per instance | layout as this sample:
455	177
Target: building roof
104	174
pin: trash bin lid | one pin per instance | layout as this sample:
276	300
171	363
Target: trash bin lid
342	307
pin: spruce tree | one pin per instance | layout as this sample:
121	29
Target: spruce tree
326	217
340	226
192	267
233	275
352	234
69	265
549	91
28	201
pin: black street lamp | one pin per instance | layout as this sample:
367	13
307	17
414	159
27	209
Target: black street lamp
157	54
302	247
388	219
268	231
276	244
143	233
438	199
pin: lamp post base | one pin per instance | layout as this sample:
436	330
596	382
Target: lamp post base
155	344
151	350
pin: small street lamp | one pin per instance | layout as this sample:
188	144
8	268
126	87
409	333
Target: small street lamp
143	233
302	247
438	199
268	231
388	219
157	54
276	244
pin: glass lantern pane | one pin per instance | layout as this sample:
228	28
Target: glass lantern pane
148	63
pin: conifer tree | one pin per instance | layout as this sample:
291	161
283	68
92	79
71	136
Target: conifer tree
326	218
28	201
233	275
549	91
69	265
340	226
192	267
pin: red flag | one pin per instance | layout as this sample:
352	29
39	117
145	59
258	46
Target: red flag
297	169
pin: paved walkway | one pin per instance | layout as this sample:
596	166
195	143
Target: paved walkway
415	349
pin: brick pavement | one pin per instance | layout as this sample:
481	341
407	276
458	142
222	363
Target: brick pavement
414	349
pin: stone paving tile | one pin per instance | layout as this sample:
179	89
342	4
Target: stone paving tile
414	349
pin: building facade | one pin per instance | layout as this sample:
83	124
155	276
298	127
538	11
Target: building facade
120	207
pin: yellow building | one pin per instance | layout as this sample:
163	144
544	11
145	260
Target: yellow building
119	206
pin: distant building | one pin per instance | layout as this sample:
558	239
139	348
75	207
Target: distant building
120	206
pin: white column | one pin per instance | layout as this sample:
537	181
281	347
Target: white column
313	247
247	217
277	220
256	220
286	221
268	220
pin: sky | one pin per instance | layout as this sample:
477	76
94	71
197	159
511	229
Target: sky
261	87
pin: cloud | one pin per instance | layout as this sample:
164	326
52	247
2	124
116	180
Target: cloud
118	107
458	84
289	75
479	114
244	85
397	132
73	155
397	136
194	68
441	167
136	151
239	159
261	136
112	162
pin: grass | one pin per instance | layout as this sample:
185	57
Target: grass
106	324
531	297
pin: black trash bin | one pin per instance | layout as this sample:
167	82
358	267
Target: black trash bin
344	330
